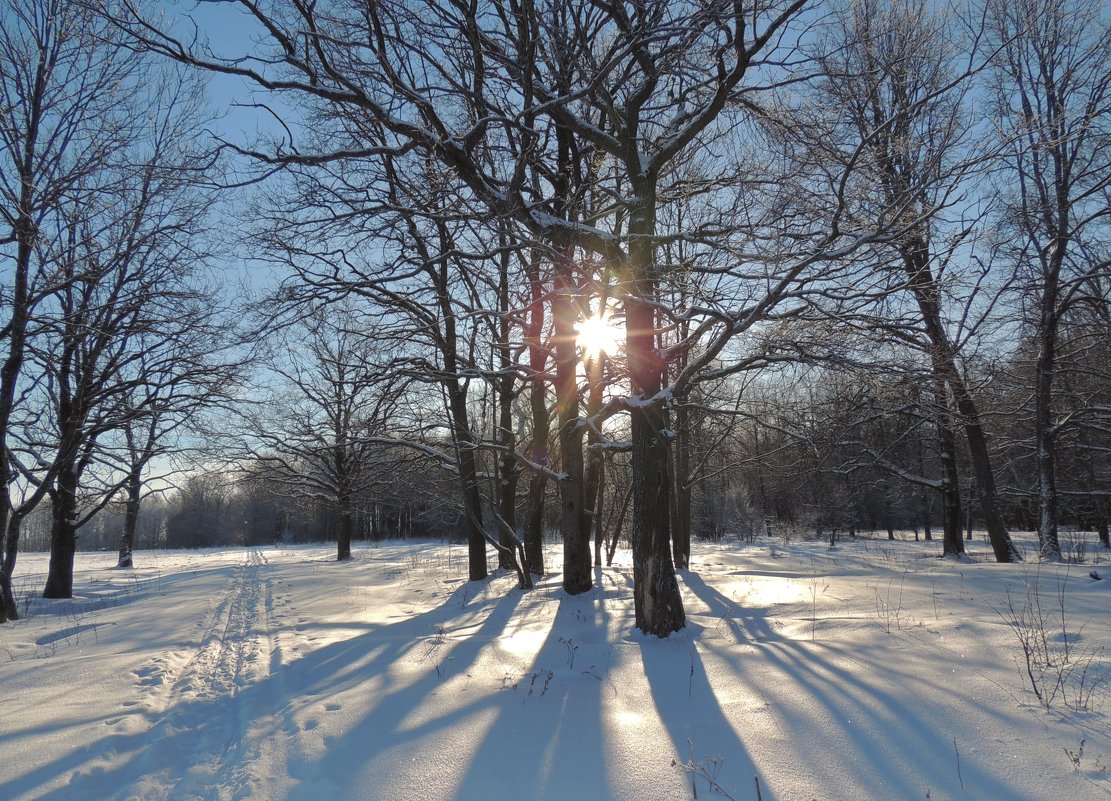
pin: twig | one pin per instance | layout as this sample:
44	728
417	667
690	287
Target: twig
958	753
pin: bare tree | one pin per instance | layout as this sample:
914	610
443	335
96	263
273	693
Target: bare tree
331	400
180	377
126	246
894	74
511	97
60	73
1052	87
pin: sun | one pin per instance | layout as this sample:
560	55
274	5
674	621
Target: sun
598	335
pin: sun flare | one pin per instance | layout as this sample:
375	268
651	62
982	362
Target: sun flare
598	335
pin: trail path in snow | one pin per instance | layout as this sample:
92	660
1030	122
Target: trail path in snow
228	750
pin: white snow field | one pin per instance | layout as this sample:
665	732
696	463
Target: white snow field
870	671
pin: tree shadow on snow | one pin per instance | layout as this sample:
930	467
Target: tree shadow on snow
822	706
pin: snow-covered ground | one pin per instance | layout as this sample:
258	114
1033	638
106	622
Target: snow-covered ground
868	671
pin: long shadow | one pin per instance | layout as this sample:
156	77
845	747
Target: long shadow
865	748
701	733
320	673
124	589
672	673
387	726
542	741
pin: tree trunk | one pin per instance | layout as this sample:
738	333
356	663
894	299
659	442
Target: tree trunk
595	465
541	422
599	507
656	600
618	526
952	543
681	532
657	603
927	295
507	508
8	608
577	575
477	569
1000	538
534	524
63	536
968	514
508	471
346	527
24	229
887	512
1045	438
130	519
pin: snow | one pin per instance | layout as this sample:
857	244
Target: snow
872	670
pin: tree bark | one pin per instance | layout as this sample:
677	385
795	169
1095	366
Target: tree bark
681	532
63	536
952	541
541	420
130	519
9	373
594	478
508	470
346	527
477	569
599	508
577	575
657	603
618	526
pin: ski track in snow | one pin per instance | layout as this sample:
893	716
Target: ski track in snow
230	747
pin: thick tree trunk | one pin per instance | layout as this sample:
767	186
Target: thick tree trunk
657	602
8	608
534	524
346	527
130	519
917	262
63	536
577	575
477	569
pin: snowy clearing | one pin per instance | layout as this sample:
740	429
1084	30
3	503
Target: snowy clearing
872	670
